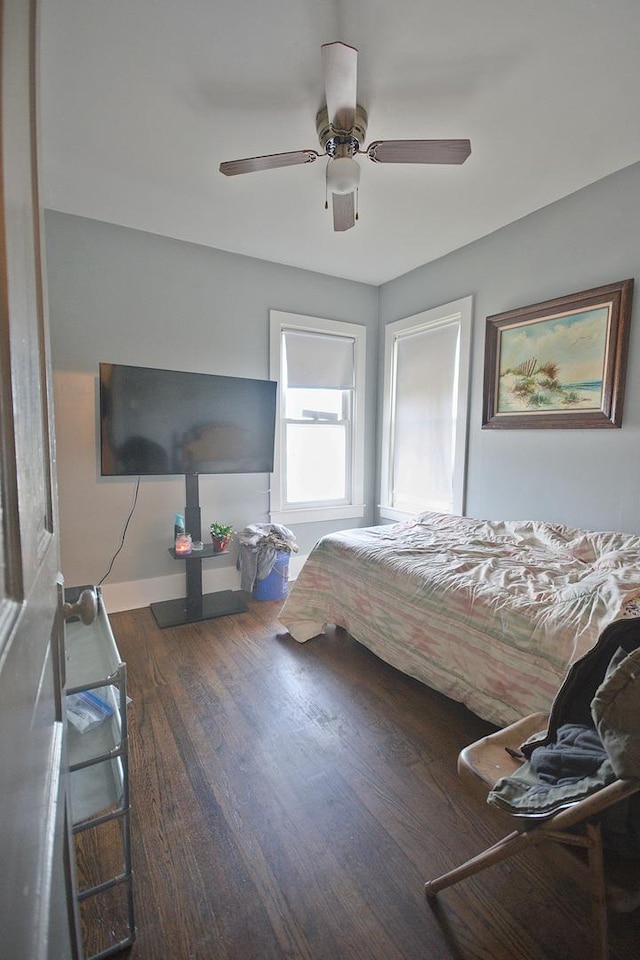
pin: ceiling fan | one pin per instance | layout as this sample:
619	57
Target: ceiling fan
342	127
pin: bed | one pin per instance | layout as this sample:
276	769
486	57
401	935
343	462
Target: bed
490	613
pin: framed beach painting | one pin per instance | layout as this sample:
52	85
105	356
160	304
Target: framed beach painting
560	363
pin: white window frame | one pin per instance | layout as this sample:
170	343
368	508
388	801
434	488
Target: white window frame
280	512
459	311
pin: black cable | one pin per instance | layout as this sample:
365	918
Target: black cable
124	533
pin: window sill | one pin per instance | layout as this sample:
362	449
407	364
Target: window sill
350	511
390	513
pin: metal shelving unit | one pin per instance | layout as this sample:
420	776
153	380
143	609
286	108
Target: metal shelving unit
99	780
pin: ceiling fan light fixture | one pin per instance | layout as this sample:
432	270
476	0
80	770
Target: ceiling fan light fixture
343	175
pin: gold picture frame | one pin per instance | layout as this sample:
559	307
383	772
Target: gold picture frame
560	363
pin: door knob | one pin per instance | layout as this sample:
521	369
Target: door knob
85	607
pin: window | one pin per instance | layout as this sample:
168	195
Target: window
425	411
319	462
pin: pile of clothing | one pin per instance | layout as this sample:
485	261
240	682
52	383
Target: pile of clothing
259	545
593	738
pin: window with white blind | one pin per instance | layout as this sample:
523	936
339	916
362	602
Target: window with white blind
319	462
425	411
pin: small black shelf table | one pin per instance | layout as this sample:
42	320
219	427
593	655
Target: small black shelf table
196	606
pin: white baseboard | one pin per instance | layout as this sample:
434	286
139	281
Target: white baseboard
133	594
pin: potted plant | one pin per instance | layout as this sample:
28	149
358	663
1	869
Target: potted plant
220	536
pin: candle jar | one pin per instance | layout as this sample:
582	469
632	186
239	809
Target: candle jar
183	545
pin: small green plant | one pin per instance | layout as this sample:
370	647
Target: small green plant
221	531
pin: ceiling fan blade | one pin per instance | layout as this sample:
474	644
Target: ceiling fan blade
253	164
344	211
419	151
340	72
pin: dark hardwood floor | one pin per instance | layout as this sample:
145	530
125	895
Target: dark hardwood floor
290	800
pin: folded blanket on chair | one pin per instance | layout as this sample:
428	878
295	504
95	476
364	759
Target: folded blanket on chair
577	752
524	794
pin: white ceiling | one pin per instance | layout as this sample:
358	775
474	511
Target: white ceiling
142	99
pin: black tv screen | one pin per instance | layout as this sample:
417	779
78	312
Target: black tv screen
157	422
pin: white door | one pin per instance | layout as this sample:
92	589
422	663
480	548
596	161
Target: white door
35	918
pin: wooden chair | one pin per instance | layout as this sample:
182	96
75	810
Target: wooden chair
482	763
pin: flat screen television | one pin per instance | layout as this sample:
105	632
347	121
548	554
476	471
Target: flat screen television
166	422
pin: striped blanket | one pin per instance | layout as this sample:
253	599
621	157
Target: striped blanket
489	613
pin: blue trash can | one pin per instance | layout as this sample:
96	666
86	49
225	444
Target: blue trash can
274	586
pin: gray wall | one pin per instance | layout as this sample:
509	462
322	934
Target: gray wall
588	478
130	297
125	296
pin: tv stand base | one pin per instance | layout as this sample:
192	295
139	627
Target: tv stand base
172	613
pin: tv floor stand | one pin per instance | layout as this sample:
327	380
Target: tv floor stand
196	605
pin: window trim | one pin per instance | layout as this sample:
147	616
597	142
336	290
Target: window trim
279	512
460	311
